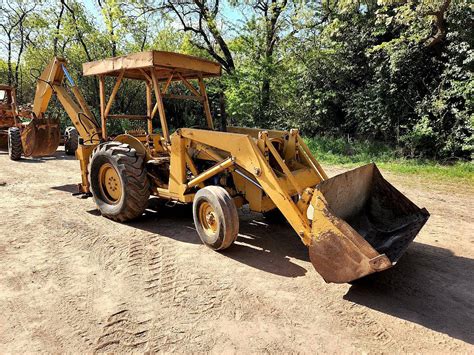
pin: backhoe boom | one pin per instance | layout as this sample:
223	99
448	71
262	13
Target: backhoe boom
51	82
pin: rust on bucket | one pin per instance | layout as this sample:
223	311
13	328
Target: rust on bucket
361	225
40	137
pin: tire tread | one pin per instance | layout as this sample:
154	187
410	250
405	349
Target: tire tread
229	214
136	184
15	148
71	139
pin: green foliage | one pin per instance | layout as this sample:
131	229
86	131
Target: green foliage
368	71
375	76
354	153
337	150
420	138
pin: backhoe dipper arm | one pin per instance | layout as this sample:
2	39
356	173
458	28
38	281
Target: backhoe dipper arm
51	82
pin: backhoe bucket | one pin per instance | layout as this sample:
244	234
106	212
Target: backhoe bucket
361	225
40	137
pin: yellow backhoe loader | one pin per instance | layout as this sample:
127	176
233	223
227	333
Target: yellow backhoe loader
353	224
30	132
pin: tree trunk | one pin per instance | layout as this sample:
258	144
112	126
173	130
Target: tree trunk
58	26
10	69
440	24
271	15
223	111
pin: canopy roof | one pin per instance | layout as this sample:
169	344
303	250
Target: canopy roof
164	63
5	87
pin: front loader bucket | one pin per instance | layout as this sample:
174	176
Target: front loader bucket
361	225
40	137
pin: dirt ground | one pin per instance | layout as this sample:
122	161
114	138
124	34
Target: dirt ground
73	281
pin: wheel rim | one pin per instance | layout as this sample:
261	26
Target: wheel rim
110	184
208	218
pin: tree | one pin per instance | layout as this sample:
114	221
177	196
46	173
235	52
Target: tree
399	72
200	18
58	28
271	11
14	15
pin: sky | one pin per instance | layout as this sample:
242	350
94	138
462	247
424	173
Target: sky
90	5
229	12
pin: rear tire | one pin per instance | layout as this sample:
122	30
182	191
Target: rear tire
15	149
215	217
118	181
71	140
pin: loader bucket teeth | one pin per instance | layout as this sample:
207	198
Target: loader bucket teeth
361	225
40	137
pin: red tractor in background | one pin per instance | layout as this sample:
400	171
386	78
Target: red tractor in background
25	133
8	113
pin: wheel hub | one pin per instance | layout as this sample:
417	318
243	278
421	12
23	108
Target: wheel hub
208	218
110	184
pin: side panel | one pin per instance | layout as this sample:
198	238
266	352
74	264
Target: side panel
177	181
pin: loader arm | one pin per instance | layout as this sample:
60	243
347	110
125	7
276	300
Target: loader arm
51	82
353	224
248	156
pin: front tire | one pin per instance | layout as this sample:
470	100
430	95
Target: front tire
215	217
15	149
118	181
71	140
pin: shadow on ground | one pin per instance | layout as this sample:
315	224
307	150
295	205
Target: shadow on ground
71	188
430	286
59	155
270	248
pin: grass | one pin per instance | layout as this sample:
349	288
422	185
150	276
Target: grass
338	151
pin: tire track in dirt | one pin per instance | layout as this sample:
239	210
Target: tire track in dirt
150	272
162	270
123	331
167	305
85	285
75	311
128	327
75	308
135	258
